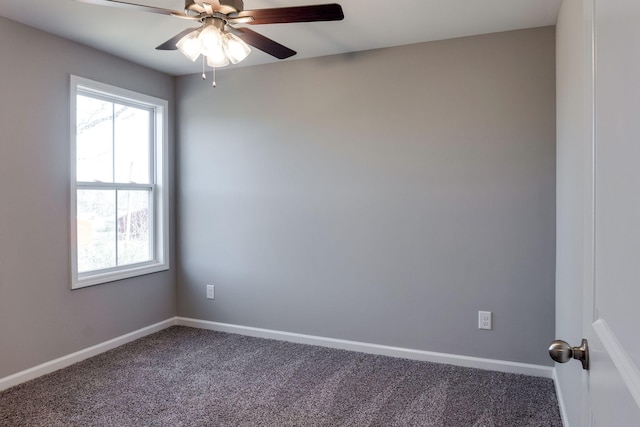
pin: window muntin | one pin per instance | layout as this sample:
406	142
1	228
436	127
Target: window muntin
119	192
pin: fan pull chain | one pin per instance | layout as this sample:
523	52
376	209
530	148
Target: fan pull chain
214	76
204	76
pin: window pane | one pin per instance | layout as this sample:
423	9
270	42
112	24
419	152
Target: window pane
133	227
96	229
94	140
132	144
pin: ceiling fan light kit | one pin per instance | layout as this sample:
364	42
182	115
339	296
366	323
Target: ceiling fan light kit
217	40
211	40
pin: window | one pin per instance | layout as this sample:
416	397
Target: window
119	176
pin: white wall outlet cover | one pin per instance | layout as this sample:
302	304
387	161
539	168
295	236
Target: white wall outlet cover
484	320
210	292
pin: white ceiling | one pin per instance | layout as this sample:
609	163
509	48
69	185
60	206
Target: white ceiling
368	24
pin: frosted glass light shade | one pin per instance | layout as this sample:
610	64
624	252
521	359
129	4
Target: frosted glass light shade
190	45
220	60
235	48
211	41
211	38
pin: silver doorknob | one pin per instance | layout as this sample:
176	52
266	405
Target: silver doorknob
562	352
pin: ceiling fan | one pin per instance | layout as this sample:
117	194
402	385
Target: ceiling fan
217	39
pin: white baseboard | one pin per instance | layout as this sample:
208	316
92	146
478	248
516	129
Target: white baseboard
70	359
563	409
427	356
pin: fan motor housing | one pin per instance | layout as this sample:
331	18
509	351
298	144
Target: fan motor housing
226	6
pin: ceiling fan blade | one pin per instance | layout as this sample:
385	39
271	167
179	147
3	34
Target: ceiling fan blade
243	20
138	7
283	15
262	43
171	43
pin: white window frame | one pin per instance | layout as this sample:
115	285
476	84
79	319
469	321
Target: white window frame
159	237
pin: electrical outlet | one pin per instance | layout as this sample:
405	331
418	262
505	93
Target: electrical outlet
210	292
484	320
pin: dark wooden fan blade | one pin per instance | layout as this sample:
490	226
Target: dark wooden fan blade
283	15
139	7
171	43
263	43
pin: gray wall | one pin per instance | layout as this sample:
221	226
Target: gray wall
571	145
40	317
383	196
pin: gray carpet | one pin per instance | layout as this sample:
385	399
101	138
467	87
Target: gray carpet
189	377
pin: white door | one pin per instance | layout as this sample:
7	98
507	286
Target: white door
612	289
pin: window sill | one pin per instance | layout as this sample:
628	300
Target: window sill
91	279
